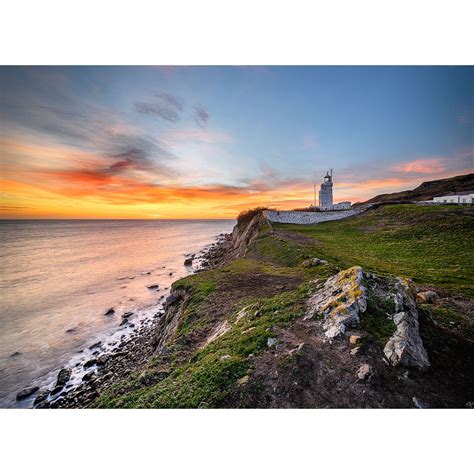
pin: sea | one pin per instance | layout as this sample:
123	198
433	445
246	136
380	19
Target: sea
59	278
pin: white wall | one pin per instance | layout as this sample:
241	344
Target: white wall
299	217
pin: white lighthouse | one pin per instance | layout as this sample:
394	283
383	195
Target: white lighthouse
325	196
325	193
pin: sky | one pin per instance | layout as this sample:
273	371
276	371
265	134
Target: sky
208	142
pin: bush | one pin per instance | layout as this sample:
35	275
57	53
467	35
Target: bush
246	216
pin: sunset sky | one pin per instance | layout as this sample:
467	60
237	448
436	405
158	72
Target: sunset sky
207	142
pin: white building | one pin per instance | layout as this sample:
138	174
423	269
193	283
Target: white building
325	196
342	205
461	198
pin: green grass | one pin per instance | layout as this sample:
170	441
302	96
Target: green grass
199	286
207	379
431	245
448	317
377	321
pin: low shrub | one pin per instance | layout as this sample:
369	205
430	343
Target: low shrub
246	216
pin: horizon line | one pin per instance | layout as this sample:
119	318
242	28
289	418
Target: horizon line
113	219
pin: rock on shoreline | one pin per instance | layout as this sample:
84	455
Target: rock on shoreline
130	355
26	392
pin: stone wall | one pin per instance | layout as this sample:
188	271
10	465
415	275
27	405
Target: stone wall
299	217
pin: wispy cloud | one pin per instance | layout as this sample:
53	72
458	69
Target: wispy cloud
159	110
172	100
422	166
201	116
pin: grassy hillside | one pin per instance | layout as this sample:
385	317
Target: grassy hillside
269	284
431	189
431	245
260	299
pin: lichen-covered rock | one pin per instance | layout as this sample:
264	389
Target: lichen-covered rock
340	302
427	297
405	347
343	299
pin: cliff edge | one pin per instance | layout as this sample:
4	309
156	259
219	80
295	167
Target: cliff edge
368	311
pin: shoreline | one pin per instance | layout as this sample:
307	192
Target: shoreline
261	329
108	366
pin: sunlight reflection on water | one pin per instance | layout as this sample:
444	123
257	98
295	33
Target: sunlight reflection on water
57	279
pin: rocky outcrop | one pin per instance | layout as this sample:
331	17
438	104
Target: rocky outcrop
405	347
168	323
244	235
343	300
340	302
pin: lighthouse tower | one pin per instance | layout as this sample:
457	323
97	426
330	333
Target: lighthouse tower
325	193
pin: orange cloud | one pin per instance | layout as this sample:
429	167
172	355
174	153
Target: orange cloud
422	166
53	181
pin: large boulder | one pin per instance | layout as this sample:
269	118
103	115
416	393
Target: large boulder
42	396
405	347
341	301
63	377
26	392
427	297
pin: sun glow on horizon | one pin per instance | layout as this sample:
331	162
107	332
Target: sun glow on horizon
211	142
34	186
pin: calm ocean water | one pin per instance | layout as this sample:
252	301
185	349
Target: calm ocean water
57	279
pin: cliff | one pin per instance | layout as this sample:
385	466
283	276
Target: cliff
369	311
